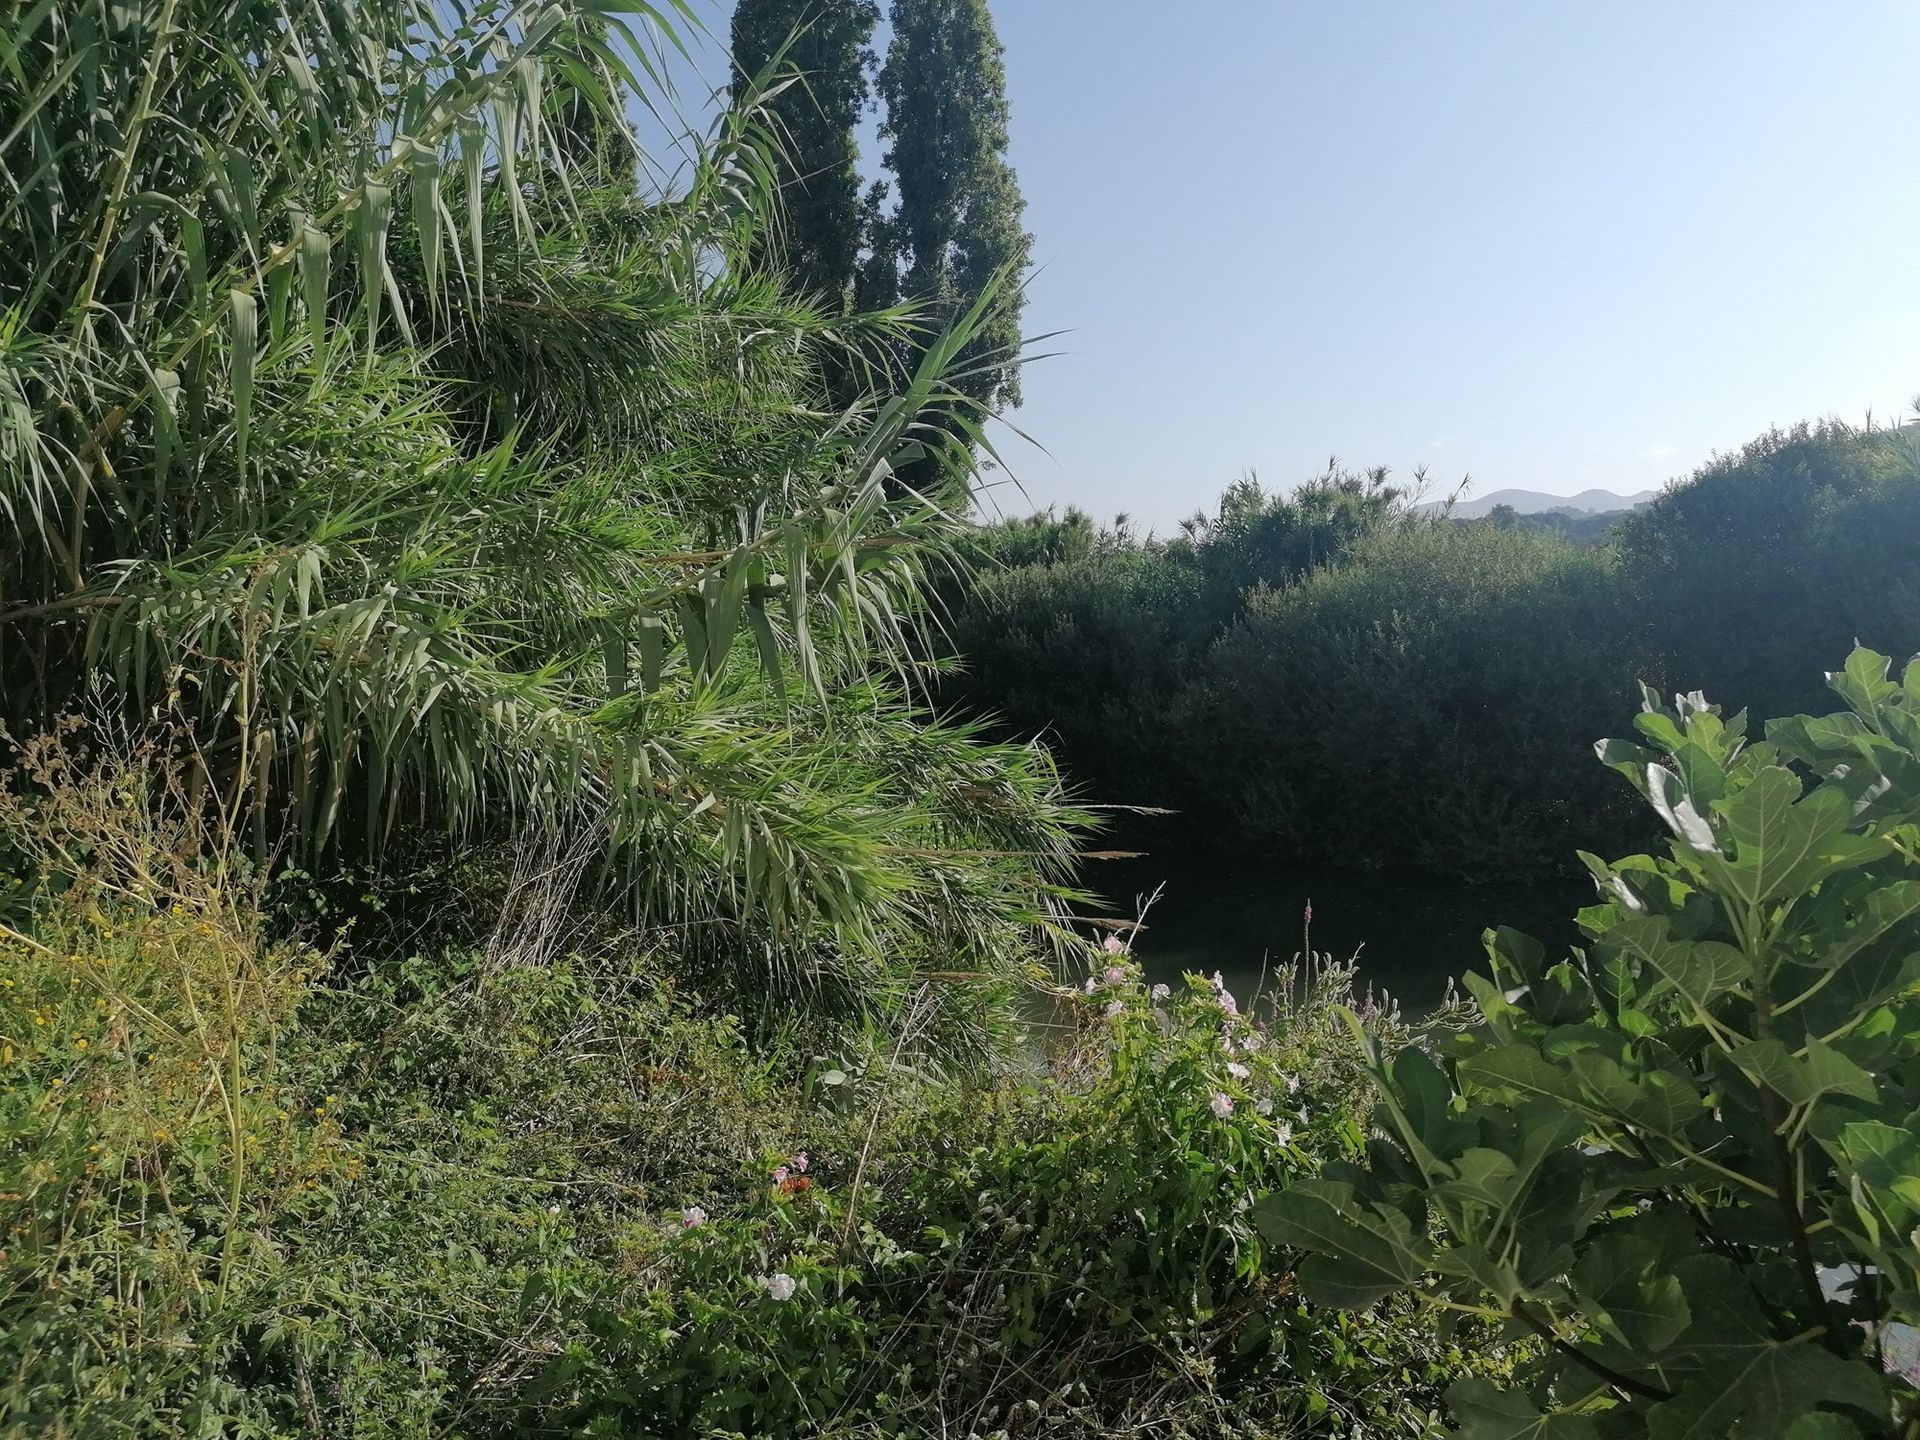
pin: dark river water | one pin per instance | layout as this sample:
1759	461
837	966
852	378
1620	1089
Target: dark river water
1240	912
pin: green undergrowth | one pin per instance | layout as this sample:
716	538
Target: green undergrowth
522	1188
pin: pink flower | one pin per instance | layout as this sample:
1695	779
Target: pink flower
1221	1104
780	1287
692	1218
800	1162
1224	995
780	1173
1309	912
1113	945
1113	976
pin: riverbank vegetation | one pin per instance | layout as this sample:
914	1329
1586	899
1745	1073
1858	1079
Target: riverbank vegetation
500	936
1290	668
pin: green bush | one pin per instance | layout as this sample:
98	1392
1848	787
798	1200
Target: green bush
1234	670
1090	655
1093	640
1795	548
1430	703
1685	1156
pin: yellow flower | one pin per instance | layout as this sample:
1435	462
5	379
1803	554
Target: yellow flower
79	1044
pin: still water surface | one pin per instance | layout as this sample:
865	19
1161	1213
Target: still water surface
1239	912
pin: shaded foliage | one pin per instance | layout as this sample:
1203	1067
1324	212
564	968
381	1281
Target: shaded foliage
1473	661
1793	548
1684	1154
1237	669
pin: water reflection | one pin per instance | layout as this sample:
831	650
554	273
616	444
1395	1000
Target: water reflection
1239	912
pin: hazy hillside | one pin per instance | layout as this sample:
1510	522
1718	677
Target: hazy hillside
1536	502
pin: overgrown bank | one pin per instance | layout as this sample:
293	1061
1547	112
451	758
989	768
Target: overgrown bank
1329	675
521	1190
495	943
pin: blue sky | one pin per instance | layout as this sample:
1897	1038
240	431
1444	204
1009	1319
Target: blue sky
1551	243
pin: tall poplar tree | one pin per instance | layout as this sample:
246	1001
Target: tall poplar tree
957	222
825	220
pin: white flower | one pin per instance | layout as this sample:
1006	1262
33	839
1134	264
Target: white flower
1293	1084
1303	1114
1263	1107
1221	1104
1284	1134
692	1217
1219	981
1253	1042
1237	1070
780	1287
1228	1003
1091	982
1115	1010
553	1209
1160	992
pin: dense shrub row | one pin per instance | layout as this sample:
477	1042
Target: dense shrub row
1394	689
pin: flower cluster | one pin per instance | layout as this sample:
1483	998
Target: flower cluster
791	1178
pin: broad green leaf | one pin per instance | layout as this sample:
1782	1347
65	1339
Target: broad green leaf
1702	971
1518	1069
1484	1412
1360	1254
1803	1079
1863	683
1763	1389
1623	1289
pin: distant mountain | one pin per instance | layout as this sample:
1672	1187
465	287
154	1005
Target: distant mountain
1535	502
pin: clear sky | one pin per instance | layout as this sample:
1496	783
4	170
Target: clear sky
1555	244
